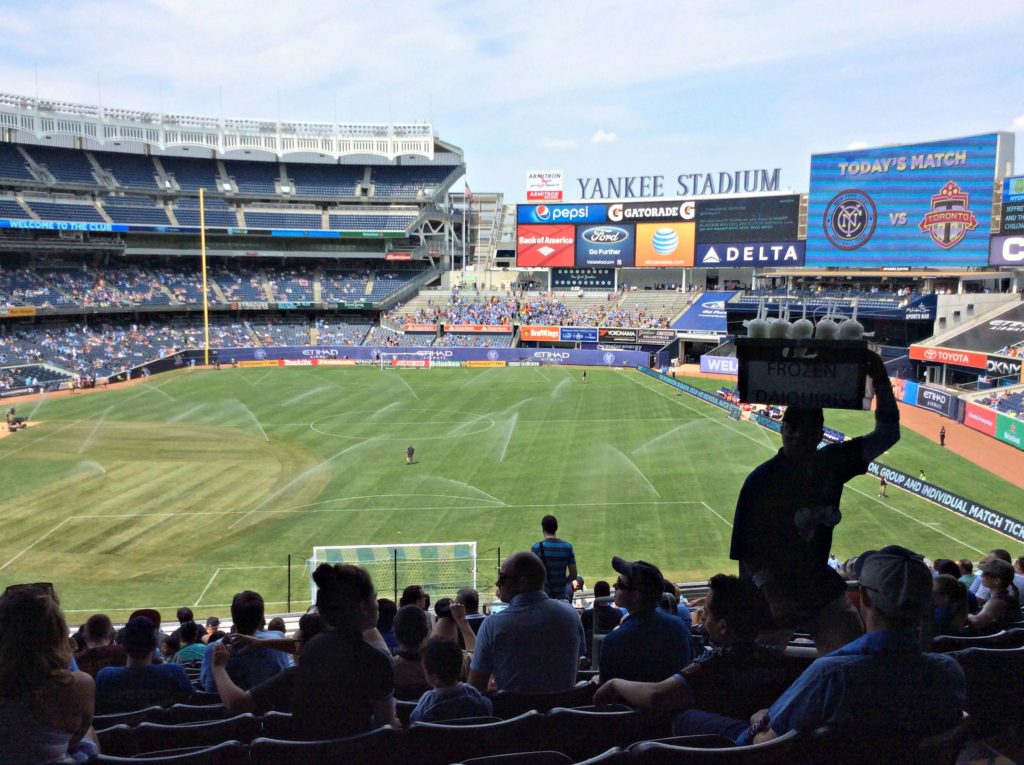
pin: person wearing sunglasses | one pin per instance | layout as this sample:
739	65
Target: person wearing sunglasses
49	705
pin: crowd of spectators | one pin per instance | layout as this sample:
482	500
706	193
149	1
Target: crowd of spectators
702	667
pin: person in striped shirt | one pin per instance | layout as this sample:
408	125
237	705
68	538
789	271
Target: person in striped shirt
558	558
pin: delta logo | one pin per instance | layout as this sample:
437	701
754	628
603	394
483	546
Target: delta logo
949	218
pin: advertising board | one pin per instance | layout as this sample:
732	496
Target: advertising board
720	365
590	278
617	335
980	418
555	213
578	334
707	314
605	245
738	254
748	219
937	400
655	336
1007	250
539	334
664	245
1012	219
419	328
637	212
478	328
545	246
948	356
1010	430
544	186
927	204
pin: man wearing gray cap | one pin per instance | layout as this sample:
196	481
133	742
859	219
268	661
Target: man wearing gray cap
879	685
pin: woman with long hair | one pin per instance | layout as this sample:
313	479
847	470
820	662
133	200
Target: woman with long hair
45	708
1003	605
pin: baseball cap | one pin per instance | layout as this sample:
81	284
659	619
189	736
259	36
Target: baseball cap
898	580
213	621
998	568
643	576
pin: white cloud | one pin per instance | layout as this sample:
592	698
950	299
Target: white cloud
603	136
558	144
1018	123
856	145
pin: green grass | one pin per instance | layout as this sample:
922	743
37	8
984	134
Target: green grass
186	489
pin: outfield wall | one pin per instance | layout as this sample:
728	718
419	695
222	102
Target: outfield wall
370	354
993	519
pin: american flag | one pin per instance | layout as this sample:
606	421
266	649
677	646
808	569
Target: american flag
469	194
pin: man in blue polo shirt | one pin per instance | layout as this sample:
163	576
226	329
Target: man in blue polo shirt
650	644
533	646
558	558
878	687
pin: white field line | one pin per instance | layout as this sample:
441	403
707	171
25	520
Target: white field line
864	493
263	377
182	415
709	507
207	587
44	536
158	390
41	438
244	378
637	469
256	420
171	608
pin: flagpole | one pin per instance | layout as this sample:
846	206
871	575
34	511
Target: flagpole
465	233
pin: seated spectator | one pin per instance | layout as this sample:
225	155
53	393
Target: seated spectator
450	698
607	614
46	709
978	588
343	685
412	628
736	677
141	683
470	599
650	644
1003	605
276	625
416	596
386	612
276	693
966	572
949	597
192	646
534	645
212	628
880	685
185	616
253	666
100	649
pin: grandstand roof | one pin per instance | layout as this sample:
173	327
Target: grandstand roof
100	126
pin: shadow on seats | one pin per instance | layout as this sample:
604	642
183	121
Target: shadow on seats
522	758
383	745
225	753
152	737
588	731
715	750
441	743
510	704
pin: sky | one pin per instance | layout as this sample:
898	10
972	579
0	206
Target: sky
594	89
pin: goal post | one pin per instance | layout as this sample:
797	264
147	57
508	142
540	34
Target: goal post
441	568
404	360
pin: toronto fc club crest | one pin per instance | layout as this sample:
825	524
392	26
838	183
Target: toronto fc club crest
949	219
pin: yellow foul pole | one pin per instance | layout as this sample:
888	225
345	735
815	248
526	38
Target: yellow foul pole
202	253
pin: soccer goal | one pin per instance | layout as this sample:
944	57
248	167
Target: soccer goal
441	568
406	360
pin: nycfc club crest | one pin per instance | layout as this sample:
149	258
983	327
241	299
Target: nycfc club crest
949	219
849	220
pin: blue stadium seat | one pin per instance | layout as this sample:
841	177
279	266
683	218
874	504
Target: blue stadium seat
253	177
330	181
135	171
67	166
13	165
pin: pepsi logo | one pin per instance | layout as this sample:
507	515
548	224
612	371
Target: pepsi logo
543	212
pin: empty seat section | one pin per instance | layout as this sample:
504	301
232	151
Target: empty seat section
218	212
70	211
141	210
325	180
192	174
406	182
135	171
66	165
387	283
339	287
11	209
13	165
258	218
364	222
253	177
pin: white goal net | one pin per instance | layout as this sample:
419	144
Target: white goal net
441	568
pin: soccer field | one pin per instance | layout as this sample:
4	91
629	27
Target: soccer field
190	487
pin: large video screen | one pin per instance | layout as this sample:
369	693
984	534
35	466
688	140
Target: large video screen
748	219
919	205
1012	221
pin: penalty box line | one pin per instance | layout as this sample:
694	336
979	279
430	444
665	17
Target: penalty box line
225	568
